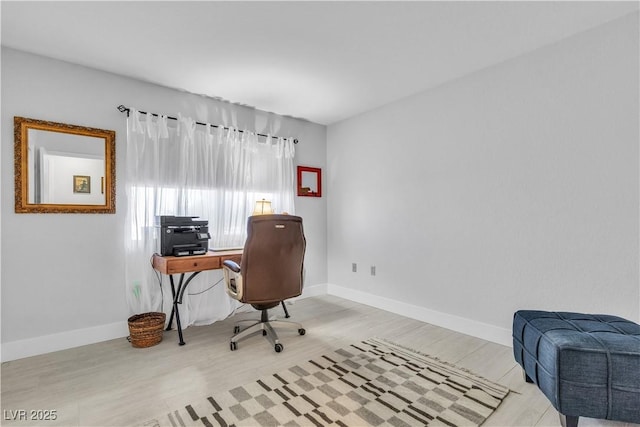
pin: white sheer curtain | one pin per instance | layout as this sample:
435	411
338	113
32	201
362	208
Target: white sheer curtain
185	169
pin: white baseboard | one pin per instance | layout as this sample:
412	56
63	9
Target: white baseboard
456	323
314	291
64	340
61	341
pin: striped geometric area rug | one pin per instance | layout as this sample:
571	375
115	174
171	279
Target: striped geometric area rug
373	383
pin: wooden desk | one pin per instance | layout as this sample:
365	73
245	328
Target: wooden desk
193	264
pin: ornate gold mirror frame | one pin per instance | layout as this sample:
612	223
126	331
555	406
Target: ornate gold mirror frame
61	168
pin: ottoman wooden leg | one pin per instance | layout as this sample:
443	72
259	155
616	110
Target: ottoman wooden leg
568	421
526	377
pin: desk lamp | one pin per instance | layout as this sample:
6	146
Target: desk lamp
263	207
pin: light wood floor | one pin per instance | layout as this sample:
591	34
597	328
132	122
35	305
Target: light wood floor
113	384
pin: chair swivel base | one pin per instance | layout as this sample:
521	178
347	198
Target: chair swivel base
267	331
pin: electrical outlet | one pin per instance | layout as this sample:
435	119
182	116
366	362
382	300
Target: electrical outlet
373	270
354	267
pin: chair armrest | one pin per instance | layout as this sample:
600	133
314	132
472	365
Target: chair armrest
232	265
233	279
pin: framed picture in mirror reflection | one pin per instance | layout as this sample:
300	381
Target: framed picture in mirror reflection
81	184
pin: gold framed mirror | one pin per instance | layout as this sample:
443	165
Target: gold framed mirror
62	168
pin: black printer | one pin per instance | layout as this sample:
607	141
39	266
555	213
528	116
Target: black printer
183	235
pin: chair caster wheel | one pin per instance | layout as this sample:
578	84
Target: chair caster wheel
236	329
301	331
233	346
278	348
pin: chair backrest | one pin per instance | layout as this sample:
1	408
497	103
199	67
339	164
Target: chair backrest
273	257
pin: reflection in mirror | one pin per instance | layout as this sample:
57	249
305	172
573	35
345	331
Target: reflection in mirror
57	158
63	168
309	182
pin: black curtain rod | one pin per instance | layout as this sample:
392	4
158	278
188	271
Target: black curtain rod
124	109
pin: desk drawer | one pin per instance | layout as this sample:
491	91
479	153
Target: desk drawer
234	257
177	265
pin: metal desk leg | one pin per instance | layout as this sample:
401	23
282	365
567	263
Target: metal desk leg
177	299
173	297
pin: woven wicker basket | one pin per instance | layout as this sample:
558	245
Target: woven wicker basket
145	330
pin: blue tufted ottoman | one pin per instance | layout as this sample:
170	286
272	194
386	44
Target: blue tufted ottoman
587	365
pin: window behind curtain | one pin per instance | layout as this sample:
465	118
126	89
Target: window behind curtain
203	171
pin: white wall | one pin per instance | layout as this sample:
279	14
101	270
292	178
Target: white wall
62	275
512	188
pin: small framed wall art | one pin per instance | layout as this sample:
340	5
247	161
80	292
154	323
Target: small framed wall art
309	181
81	184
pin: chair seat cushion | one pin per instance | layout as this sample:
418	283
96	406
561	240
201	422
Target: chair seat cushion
587	365
266	305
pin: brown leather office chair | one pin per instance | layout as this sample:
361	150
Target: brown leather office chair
270	272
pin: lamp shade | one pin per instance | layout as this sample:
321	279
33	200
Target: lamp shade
263	207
